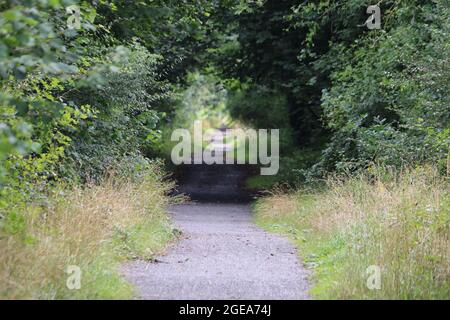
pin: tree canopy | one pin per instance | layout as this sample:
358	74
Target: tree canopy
77	101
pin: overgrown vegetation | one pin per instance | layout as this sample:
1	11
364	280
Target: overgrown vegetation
78	103
398	222
352	96
93	228
355	97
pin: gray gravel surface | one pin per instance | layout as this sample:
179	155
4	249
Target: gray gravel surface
222	255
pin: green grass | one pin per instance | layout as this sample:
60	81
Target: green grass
101	279
324	254
260	182
95	228
398	222
143	241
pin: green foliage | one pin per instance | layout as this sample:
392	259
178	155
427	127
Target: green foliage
374	95
79	104
203	98
73	103
124	116
389	102
259	106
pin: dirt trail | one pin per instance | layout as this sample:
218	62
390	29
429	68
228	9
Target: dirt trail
222	254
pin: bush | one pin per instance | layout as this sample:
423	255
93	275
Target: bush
387	101
124	117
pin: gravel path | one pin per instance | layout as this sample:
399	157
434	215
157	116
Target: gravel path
222	255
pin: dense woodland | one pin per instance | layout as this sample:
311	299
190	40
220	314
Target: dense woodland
80	102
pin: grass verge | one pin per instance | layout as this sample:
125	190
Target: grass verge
92	228
397	222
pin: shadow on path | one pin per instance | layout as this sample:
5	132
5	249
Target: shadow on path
216	183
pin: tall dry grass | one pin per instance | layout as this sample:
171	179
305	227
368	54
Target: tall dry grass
93	228
398	221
